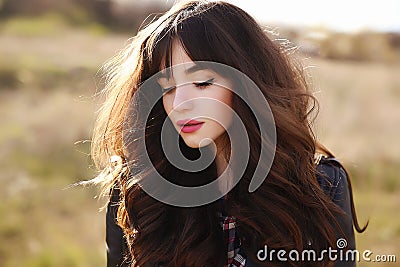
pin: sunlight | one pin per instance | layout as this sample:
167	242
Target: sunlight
341	15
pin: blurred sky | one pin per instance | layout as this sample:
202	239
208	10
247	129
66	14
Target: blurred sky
341	15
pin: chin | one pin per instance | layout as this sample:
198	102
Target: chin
197	143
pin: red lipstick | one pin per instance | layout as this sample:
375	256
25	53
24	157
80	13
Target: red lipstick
189	126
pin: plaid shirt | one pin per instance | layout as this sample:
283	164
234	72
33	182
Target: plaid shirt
232	240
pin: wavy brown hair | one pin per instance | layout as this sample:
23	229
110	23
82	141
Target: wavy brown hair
288	210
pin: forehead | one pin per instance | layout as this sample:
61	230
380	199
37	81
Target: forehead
185	69
175	60
179	55
180	63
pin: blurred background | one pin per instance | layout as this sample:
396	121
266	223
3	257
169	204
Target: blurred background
50	55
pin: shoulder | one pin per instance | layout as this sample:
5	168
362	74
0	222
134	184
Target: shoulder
334	181
332	177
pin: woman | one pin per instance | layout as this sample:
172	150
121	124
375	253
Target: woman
205	82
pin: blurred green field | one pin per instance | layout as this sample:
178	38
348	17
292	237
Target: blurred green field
47	83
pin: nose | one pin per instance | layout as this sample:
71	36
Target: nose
182	99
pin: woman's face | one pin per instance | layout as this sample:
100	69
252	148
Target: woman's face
197	100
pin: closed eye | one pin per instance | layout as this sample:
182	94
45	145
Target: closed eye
204	84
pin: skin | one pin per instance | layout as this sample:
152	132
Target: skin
187	98
190	98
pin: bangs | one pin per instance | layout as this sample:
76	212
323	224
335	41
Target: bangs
199	36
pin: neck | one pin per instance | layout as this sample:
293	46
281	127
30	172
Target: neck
220	163
224	179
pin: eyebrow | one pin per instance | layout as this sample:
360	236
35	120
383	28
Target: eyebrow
192	69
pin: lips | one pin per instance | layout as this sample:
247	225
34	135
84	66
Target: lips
188	122
189	126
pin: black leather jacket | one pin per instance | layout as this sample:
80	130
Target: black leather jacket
335	186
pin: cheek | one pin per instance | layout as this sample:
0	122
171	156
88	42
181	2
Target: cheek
167	104
223	93
223	112
227	98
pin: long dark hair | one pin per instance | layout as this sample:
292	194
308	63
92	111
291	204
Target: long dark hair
286	212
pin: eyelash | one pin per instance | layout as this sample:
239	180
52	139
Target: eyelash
203	85
200	85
